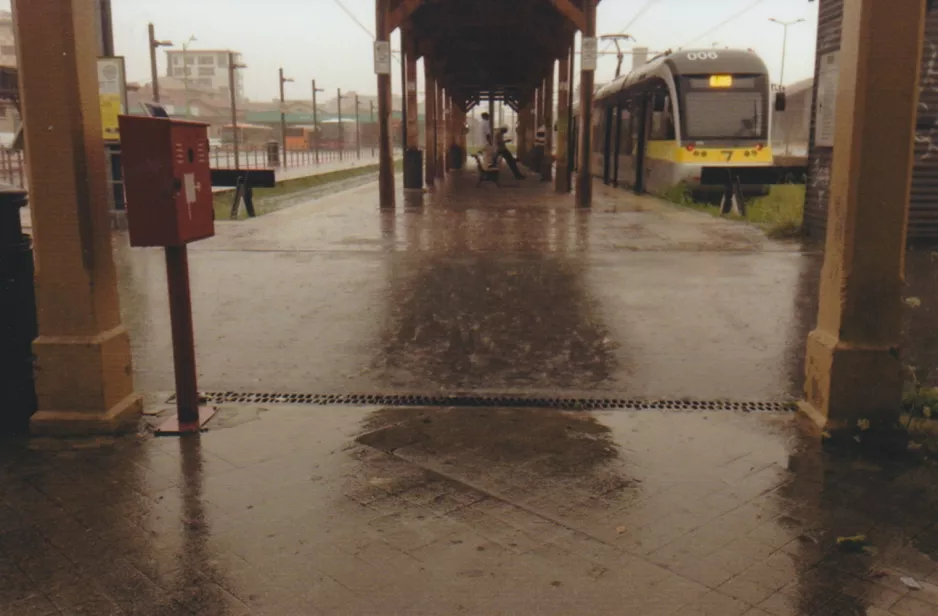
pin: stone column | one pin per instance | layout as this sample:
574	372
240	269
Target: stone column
853	365
84	378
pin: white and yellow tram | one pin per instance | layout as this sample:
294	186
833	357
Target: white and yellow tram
683	112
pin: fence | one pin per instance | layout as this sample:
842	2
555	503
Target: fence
257	157
12	168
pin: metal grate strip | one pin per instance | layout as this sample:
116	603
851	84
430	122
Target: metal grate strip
483	400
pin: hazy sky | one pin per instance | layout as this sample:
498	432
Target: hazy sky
316	39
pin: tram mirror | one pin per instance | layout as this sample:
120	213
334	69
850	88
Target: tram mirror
780	101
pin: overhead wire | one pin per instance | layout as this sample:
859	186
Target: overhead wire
635	18
357	21
728	20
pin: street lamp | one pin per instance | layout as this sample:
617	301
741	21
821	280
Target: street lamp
154	45
615	38
283	117
316	119
185	70
236	137
785	25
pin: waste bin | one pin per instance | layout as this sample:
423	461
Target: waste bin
18	327
413	168
273	154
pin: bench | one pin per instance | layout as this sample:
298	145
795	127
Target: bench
486	172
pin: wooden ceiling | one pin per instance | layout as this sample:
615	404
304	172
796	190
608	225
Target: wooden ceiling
480	47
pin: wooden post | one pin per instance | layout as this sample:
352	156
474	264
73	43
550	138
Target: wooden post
430	121
84	377
562	179
440	132
853	367
584	176
386	163
413	163
548	125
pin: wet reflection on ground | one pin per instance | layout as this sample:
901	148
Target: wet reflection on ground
509	290
342	510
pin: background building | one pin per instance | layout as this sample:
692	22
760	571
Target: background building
205	68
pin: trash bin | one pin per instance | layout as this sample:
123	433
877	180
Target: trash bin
18	327
413	168
273	154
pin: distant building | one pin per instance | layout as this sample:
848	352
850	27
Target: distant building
7	41
205	68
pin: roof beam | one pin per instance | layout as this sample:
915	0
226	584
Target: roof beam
402	13
571	12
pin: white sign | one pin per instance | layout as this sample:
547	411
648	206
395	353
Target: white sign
826	112
588	54
382	57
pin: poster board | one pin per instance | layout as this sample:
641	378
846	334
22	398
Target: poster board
112	95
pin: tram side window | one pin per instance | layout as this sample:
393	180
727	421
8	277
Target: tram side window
662	122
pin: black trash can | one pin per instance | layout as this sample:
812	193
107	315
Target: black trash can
457	157
18	326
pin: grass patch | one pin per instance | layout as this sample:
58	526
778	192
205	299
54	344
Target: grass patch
779	214
265	199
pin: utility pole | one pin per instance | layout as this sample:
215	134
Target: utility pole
185	71
316	121
341	128
283	118
785	25
235	133
358	130
154	76
372	121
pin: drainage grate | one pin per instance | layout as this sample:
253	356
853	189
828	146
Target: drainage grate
563	403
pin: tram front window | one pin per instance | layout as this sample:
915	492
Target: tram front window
725	115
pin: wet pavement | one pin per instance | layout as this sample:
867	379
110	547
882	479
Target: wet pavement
290	509
297	510
483	289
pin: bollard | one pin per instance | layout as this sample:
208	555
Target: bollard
18	327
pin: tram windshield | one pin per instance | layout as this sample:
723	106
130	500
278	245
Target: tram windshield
716	113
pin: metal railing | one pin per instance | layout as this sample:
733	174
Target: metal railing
259	157
12	167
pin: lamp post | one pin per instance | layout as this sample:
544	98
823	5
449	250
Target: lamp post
236	137
154	45
620	55
185	70
316	120
283	117
785	25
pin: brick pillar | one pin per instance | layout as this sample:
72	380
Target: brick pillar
84	379
853	366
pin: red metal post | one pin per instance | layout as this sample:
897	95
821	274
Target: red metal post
180	313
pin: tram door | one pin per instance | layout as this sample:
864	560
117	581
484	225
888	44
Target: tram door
640	141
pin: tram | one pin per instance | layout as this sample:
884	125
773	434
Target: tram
684	117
